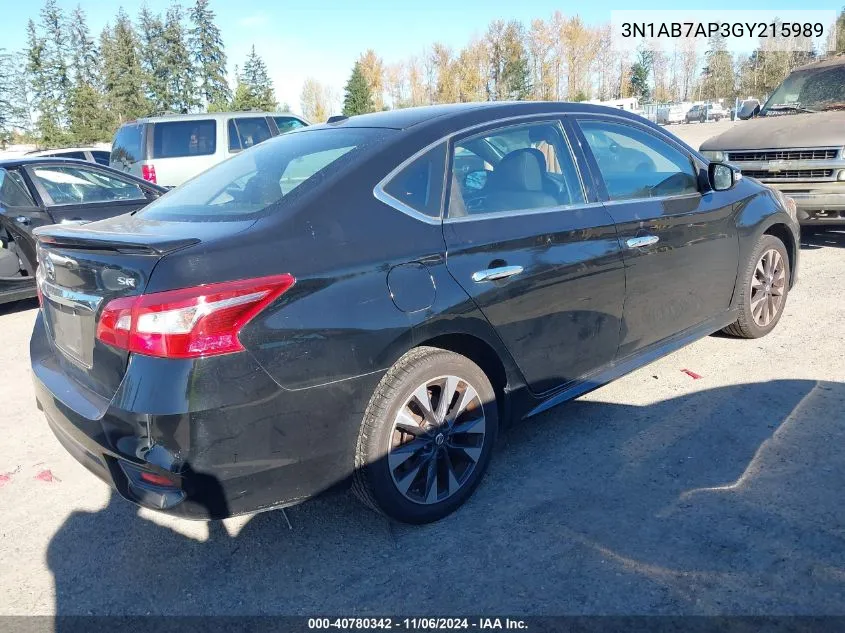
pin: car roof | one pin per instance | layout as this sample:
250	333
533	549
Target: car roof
209	116
443	114
20	161
44	152
836	60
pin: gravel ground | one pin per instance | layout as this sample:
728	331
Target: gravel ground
657	494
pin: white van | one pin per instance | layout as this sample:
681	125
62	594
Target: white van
168	150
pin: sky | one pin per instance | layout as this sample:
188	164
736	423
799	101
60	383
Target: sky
322	38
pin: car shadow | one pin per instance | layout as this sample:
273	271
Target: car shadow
22	305
821	238
723	500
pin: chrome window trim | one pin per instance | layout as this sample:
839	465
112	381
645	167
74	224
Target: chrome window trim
521	212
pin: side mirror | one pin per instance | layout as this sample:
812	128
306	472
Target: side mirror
722	177
748	110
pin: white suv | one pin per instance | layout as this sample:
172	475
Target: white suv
168	150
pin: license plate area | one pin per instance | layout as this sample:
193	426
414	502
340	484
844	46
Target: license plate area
71	319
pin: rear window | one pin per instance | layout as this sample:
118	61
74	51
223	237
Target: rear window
126	148
266	178
178	139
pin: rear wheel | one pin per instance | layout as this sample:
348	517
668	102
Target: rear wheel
763	290
427	436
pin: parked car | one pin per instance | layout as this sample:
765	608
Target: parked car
795	142
705	112
91	154
37	191
342	304
670	114
168	150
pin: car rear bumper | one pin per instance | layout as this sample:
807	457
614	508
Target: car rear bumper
266	447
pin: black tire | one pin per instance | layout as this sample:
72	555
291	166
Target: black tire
746	326
372	481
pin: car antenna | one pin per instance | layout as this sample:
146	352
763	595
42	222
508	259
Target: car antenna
337	118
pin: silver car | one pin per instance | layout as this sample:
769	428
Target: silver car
168	150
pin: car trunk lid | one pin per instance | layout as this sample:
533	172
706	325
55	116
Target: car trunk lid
82	268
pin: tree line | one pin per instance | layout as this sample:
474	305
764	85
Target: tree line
66	88
563	58
69	87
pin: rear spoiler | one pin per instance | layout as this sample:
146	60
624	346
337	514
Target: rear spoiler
78	237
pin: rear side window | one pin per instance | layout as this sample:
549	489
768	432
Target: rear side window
79	185
246	132
126	148
101	157
13	191
178	139
287	123
266	178
635	164
420	184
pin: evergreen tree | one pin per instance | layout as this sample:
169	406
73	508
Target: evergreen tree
718	74
6	98
640	71
124	78
85	59
89	119
518	78
151	56
840	33
255	89
209	58
357	98
47	129
180	88
56	72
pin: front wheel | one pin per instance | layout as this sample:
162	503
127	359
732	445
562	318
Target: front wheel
427	436
763	290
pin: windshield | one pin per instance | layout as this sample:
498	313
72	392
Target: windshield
809	90
265	178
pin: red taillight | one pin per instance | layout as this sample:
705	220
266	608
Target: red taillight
156	480
188	323
148	172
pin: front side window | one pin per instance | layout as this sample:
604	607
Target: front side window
420	184
267	177
178	139
517	168
636	164
78	185
101	157
287	123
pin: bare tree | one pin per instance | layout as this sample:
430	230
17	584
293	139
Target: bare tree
689	66
315	101
395	84
581	47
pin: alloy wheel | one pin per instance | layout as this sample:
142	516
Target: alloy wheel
767	287
437	439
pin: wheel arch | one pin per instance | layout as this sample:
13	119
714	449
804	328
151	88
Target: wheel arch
782	232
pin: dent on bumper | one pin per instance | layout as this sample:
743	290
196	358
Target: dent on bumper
229	438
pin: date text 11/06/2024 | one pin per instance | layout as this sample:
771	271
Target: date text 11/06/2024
416	624
723	29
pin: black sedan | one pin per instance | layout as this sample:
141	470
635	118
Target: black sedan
36	191
369	300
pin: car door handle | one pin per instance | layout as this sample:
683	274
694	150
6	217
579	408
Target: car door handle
642	240
492	274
